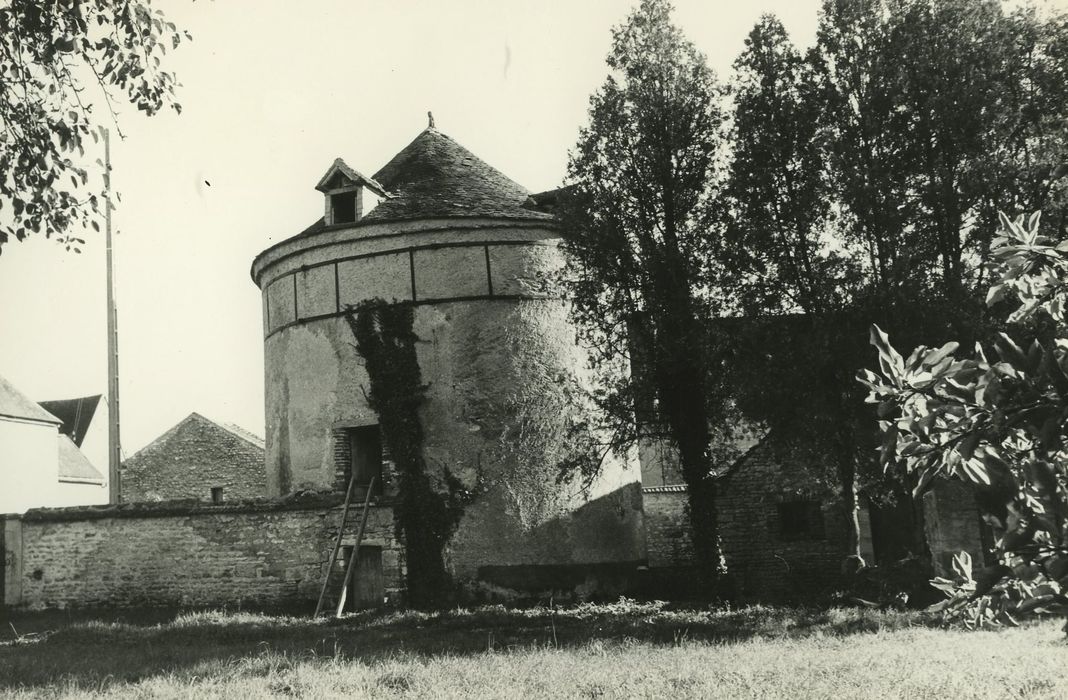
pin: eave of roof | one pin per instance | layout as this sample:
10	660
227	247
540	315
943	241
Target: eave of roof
434	177
15	404
160	443
74	466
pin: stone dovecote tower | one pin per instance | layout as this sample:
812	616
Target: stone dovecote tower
439	229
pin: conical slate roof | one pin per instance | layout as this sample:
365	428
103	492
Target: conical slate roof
434	176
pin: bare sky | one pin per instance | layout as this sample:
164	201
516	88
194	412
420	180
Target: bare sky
273	91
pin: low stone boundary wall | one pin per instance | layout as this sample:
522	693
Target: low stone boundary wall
258	553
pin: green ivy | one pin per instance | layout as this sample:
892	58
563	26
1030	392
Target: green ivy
428	506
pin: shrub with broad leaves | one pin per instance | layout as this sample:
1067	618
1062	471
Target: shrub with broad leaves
996	420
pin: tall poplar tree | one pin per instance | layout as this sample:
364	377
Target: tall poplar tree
780	263
639	230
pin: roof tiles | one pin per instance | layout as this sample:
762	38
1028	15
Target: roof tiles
436	177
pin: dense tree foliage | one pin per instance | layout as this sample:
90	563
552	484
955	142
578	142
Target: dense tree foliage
54	56
938	114
778	200
996	419
639	227
864	187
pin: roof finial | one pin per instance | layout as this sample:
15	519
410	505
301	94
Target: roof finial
430	118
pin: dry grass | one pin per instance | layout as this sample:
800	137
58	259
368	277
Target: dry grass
621	650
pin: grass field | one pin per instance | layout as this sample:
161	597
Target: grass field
621	650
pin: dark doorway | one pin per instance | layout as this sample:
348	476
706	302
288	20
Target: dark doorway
367	587
365	446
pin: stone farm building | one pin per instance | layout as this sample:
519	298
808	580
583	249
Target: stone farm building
196	459
471	253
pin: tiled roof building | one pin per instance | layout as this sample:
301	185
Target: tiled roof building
198	458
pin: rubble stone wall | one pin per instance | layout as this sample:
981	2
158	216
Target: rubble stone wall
253	553
194	457
766	559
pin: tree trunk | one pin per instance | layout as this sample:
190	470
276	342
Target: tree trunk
682	390
847	481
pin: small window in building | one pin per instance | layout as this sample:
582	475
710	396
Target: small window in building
216	494
365	444
801	520
343	208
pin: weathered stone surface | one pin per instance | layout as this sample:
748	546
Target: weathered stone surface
446	273
951	521
266	554
386	277
503	375
280	300
764	562
316	294
192	458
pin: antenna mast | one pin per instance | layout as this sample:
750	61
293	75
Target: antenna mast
114	452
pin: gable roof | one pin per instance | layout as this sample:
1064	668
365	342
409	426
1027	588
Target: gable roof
76	415
339	166
436	177
15	404
160	443
243	434
73	465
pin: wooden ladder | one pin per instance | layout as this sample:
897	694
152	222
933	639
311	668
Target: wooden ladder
351	568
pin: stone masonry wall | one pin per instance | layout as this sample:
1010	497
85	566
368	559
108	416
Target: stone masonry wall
764	561
191	459
951	522
668	535
254	553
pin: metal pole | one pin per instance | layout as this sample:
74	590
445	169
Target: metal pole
114	450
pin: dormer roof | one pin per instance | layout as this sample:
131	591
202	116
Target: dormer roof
339	175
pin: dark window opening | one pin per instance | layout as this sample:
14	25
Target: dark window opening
365	448
801	520
343	208
216	494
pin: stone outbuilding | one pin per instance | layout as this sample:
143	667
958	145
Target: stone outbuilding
783	534
199	459
442	232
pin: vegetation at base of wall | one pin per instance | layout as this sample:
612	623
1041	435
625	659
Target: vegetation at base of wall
997	420
429	505
624	649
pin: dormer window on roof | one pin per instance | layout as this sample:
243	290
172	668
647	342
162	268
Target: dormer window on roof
349	195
